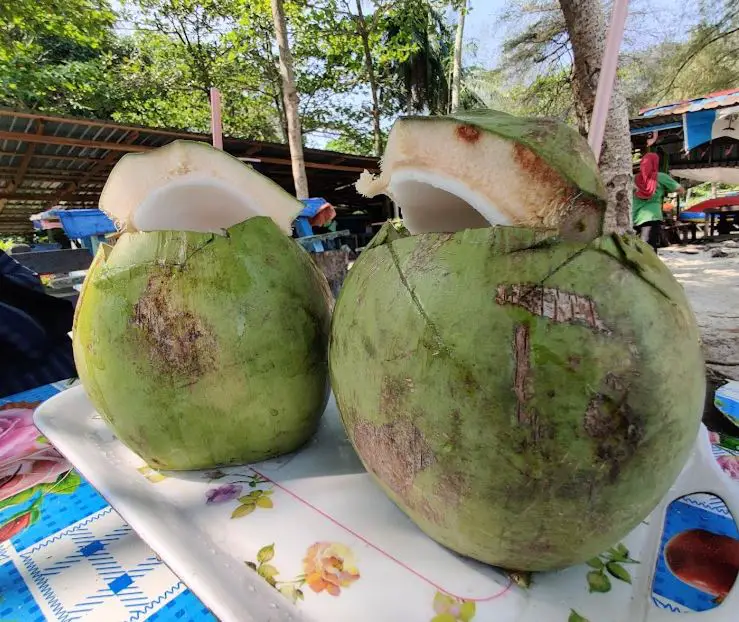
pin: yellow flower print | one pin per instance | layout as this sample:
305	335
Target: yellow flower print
329	566
451	609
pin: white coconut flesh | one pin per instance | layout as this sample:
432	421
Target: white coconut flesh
191	186
446	177
432	202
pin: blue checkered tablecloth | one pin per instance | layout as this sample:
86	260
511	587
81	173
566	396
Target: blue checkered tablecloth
67	555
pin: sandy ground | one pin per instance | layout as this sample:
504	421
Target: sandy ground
712	285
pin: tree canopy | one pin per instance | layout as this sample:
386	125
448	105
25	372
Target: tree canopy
358	64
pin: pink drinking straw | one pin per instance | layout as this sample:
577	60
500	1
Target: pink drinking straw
216	127
607	76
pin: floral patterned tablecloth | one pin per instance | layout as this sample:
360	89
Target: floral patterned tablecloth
312	529
65	554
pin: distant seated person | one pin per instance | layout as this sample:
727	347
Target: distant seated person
35	348
649	195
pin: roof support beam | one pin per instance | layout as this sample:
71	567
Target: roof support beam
69	158
104	163
316	165
18	179
71	142
4	112
46	196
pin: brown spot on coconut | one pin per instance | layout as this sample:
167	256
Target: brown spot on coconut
395	452
468	133
180	344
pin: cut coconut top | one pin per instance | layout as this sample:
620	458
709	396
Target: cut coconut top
191	186
489	168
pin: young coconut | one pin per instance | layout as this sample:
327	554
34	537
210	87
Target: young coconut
525	399
201	336
477	169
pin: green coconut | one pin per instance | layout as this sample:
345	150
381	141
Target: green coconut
203	341
525	399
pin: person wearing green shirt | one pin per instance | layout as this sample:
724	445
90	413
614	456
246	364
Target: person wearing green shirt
651	188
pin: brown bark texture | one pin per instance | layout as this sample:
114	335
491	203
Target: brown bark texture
457	65
586	25
294	131
370	69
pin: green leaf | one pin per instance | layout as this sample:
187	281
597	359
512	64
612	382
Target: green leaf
265	502
618	571
576	617
620	554
595	563
615	555
243	510
289	591
35	513
267	570
22	496
300	594
65	484
598	581
444	617
250	498
251	565
266	553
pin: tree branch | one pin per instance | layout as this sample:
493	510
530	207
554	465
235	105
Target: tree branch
693	54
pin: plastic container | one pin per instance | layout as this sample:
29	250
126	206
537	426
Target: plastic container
82	223
727	401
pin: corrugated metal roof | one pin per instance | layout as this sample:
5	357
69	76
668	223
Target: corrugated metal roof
47	160
719	99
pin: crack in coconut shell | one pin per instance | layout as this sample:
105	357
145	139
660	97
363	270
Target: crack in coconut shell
179	343
525	414
552	303
521	351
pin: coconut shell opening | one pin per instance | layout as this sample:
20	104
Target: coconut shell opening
437	204
452	173
193	203
191	186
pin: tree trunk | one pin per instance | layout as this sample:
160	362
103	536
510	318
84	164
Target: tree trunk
586	26
370	69
294	132
457	66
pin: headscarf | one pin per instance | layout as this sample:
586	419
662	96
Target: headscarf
646	180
